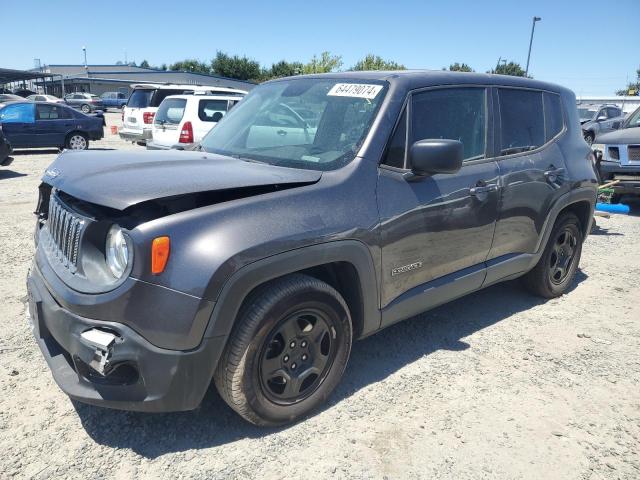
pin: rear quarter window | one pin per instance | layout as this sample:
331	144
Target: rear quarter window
212	110
171	111
553	117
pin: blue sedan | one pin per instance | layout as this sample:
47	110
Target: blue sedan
40	124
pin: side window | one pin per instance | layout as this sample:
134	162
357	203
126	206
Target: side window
211	110
553	118
20	113
613	112
454	114
521	120
398	144
46	112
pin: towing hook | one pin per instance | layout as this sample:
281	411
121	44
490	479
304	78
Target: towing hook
103	343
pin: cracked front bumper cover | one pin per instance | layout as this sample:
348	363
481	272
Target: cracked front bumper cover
140	376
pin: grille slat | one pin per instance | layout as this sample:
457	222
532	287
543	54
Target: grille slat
65	229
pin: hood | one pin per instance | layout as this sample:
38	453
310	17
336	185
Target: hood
120	179
620	137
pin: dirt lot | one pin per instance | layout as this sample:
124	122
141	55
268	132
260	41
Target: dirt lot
497	385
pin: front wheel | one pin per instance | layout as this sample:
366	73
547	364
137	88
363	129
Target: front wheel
557	267
77	141
287	352
589	137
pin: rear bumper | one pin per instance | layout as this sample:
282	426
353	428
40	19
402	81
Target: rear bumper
141	376
135	135
177	146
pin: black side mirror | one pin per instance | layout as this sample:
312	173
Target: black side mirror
615	125
428	157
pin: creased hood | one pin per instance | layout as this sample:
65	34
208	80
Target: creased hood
623	136
120	179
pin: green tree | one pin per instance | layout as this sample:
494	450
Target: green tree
144	64
512	68
325	64
163	66
190	65
460	67
375	62
633	88
241	68
283	69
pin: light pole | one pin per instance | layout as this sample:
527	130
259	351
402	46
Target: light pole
533	28
84	51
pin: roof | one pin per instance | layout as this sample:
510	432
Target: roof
8	75
412	79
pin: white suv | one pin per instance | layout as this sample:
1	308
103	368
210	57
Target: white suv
183	120
138	113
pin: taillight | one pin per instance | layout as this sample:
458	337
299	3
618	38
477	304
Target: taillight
186	134
147	117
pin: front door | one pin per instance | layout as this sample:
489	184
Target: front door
18	123
436	227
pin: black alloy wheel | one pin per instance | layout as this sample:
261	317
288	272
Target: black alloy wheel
562	255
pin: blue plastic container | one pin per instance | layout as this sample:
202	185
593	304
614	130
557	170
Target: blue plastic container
613	208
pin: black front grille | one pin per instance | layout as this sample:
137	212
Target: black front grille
64	228
614	153
634	153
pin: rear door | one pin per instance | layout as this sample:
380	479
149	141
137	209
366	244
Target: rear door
210	112
440	225
167	121
532	166
52	124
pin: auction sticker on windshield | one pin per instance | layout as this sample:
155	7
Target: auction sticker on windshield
357	90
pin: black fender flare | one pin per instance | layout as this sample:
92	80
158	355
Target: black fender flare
250	276
587	194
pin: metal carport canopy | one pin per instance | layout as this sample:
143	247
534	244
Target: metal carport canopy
8	75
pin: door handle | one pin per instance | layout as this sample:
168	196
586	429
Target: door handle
282	133
553	173
480	189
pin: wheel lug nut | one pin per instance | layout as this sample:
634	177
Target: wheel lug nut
304	357
292	344
286	358
293	366
303	344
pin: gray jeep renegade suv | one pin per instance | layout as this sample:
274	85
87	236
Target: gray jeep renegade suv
320	210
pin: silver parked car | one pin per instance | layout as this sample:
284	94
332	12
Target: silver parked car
599	119
86	102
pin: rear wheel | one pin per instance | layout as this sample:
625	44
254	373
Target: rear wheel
556	269
287	352
77	141
85	108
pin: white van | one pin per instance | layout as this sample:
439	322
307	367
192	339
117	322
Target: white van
138	113
183	120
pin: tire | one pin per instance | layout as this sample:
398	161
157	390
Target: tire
274	370
85	108
615	198
555	271
589	138
76	141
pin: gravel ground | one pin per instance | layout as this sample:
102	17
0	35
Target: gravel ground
497	385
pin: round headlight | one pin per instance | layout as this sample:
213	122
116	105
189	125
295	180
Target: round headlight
116	251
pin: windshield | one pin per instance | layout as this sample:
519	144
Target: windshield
315	124
586	113
634	119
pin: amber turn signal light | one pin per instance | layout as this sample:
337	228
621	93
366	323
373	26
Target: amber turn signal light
159	254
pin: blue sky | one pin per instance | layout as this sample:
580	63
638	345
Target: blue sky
590	46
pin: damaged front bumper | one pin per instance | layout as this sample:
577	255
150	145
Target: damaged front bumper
110	365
